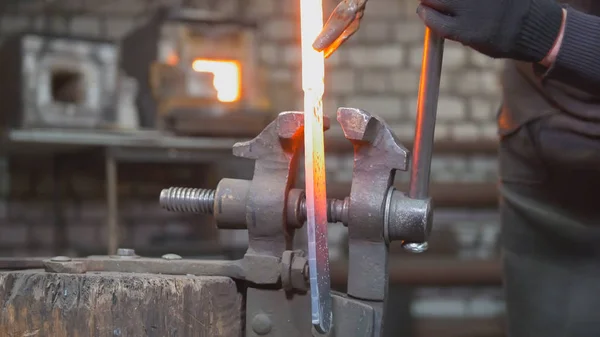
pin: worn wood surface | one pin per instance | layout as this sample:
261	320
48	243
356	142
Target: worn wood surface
38	304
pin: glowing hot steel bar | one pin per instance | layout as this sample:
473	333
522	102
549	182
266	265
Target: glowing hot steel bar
313	75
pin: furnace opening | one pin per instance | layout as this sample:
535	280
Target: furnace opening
66	86
227	77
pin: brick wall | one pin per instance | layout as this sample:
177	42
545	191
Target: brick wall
61	201
378	70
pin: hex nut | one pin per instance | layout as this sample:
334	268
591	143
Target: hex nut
293	270
297	275
286	269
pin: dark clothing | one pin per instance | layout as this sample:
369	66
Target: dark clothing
522	30
550	239
550	206
577	61
550	186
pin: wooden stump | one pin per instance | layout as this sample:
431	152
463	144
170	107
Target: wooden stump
36	303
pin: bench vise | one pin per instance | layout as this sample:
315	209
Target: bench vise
272	210
273	272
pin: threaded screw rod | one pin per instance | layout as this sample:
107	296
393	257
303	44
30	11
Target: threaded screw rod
337	210
188	200
201	201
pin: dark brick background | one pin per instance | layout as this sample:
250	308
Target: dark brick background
62	200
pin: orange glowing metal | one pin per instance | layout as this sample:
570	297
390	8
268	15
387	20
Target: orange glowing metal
227	80
313	84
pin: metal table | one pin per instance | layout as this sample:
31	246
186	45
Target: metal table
121	146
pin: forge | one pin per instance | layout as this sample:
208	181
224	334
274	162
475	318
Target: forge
207	70
67	86
70	82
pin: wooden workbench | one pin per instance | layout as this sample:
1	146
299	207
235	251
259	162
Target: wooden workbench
35	303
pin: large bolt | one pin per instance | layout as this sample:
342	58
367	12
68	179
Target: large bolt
261	324
188	200
407	220
201	201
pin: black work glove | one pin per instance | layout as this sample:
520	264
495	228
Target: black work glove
524	30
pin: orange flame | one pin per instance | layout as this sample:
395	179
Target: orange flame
227	80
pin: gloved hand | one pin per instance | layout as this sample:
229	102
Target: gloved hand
524	30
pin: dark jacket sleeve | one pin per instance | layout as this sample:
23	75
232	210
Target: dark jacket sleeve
578	60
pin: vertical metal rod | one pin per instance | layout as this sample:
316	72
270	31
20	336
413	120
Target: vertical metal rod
60	225
112	202
4	184
429	89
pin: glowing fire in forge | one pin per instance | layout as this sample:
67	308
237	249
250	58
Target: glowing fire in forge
227	75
